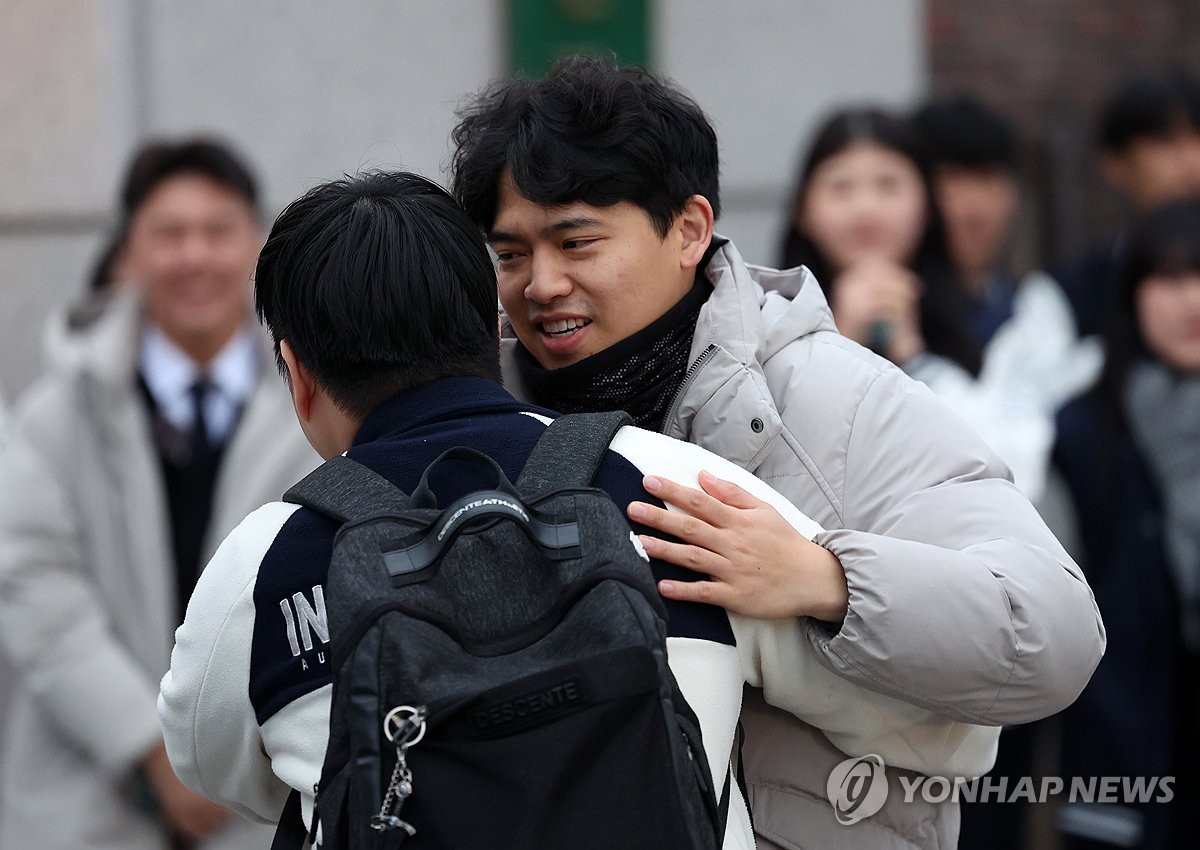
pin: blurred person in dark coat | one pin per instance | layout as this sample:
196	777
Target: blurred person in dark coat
1149	140
1130	451
972	152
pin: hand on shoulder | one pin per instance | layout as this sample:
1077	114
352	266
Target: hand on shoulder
754	562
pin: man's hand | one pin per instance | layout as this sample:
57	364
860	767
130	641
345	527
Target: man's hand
186	812
755	562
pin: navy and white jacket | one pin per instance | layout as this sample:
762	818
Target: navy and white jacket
245	705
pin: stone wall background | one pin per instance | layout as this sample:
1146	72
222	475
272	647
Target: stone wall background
1049	64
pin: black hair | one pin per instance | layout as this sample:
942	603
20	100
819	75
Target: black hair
100	279
379	282
591	132
941	303
965	132
1165	242
158	161
1148	106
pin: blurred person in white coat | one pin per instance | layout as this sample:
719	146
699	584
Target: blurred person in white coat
157	426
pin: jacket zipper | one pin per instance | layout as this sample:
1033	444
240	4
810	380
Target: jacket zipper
683	385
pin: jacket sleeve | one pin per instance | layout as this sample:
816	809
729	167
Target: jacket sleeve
54	627
209	725
774	656
961	600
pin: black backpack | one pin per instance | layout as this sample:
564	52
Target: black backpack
500	667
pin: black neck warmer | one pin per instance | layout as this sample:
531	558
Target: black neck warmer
640	374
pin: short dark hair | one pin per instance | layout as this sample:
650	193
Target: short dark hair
1148	106
100	279
158	161
589	131
1165	241
379	282
964	131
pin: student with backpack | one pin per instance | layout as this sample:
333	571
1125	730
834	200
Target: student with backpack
484	659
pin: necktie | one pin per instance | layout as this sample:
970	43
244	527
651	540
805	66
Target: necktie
200	443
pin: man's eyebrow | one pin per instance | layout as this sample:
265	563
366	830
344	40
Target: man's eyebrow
563	224
500	236
572	223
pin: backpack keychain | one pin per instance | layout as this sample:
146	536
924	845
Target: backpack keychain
407	732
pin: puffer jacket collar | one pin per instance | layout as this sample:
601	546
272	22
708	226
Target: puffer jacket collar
104	348
753	313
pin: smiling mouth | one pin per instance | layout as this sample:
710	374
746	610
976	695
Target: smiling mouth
564	327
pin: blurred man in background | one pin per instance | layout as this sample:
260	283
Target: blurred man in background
1149	136
973	153
158	426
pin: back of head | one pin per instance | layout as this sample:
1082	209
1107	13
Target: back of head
962	131
1148	106
379	282
157	162
587	132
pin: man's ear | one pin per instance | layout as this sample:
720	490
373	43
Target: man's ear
123	270
695	225
300	382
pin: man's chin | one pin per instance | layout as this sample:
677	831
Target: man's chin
203	332
551	362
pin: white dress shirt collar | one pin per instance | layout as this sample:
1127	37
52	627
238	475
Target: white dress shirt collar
169	374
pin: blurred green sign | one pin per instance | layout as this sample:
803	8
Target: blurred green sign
541	31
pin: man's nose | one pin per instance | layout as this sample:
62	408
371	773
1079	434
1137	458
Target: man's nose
548	281
194	248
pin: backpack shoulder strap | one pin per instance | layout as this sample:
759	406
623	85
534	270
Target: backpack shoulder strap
345	490
291	833
569	452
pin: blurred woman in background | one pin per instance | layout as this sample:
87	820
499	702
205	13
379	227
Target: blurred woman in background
864	220
1129	451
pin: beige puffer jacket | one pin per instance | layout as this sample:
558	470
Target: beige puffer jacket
87	600
961	600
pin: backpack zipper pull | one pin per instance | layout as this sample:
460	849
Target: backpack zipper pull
404	733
